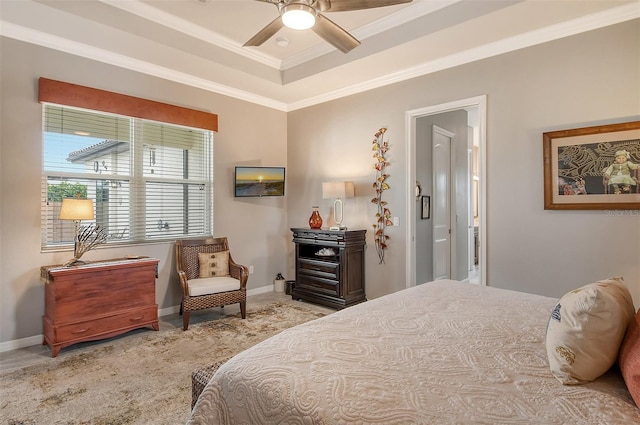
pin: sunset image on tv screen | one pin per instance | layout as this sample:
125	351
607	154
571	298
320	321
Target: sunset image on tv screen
259	181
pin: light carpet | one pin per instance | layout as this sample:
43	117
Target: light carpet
144	378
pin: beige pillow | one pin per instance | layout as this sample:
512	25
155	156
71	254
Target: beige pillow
214	264
586	329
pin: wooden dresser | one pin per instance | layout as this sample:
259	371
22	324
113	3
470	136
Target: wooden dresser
98	300
333	280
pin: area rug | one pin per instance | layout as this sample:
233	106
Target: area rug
143	378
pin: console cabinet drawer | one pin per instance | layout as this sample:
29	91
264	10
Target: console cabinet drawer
319	268
319	285
107	325
316	236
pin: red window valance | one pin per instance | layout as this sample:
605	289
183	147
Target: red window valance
61	93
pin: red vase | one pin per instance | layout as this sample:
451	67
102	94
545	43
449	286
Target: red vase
315	221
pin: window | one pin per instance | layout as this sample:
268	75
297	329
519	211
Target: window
150	181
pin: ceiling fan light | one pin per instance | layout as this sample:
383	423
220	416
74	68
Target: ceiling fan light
298	16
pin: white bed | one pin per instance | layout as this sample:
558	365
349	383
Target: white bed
440	353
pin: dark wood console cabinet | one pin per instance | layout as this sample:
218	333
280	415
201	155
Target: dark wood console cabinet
98	300
332	280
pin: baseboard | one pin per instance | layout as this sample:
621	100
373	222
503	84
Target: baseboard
20	343
262	290
168	310
37	339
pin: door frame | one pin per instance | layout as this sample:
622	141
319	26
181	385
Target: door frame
411	116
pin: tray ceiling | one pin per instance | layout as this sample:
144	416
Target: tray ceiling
199	42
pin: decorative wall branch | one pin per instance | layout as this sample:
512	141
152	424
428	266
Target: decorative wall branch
383	215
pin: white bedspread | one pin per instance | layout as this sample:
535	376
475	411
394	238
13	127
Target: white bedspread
440	353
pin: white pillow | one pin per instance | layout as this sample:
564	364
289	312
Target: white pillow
586	329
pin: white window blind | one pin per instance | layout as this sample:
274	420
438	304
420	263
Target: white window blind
149	180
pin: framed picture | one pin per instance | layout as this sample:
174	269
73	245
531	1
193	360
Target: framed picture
592	168
426	207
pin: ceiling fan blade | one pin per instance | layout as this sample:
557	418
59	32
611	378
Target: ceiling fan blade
334	34
346	5
265	33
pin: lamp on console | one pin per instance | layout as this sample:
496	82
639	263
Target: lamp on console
339	191
77	209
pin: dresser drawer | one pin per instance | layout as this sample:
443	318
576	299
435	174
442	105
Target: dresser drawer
317	285
116	323
324	269
83	295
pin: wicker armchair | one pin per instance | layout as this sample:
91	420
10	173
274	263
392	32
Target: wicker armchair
215	289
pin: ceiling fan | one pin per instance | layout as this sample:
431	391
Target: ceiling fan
305	14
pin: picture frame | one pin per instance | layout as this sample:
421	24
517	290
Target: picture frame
581	171
425	211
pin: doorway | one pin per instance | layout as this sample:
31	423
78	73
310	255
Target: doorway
469	169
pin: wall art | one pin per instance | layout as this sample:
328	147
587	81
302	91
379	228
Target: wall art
592	168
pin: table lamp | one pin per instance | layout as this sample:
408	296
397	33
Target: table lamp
76	209
339	191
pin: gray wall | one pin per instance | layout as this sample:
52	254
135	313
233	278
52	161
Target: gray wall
587	79
249	134
584	80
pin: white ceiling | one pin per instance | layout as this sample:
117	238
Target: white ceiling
199	42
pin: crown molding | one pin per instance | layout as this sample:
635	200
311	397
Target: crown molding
591	22
553	32
168	20
150	13
402	16
18	32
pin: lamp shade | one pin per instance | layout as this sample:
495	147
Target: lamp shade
338	190
76	209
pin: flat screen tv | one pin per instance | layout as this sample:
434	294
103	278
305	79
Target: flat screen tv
259	181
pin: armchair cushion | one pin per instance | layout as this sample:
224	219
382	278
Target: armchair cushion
212	285
213	264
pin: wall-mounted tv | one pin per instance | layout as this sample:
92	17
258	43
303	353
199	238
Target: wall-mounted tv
259	181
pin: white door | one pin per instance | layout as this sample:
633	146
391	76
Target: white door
441	203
